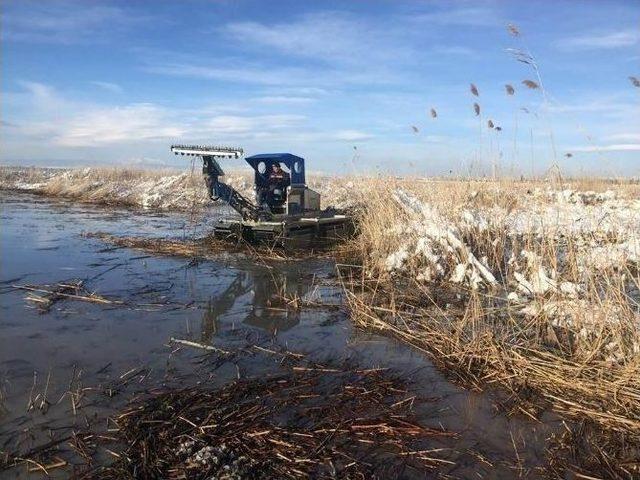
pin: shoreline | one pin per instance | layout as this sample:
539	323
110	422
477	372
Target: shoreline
502	285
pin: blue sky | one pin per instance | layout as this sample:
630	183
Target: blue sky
115	83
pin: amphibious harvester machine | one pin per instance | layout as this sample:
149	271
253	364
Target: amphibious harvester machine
285	211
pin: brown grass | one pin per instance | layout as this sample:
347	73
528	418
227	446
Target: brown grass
482	338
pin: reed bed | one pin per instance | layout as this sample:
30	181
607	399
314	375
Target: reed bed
303	420
161	189
314	421
203	248
211	248
512	285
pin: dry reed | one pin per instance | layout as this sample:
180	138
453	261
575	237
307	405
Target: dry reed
577	352
358	428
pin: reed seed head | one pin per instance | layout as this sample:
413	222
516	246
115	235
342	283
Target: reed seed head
513	30
530	84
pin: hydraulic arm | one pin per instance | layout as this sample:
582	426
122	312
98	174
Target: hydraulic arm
212	172
221	191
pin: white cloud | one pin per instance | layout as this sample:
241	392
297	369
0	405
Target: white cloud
600	104
352	135
130	123
40	91
67	128
304	78
334	37
611	40
621	147
244	74
316	36
623	137
283	99
232	125
466	16
110	87
64	22
338	49
300	91
54	120
37	97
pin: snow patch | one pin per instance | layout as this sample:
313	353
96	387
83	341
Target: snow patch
437	246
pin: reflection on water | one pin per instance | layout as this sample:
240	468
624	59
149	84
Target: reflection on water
210	327
259	299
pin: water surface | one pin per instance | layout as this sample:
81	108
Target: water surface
230	303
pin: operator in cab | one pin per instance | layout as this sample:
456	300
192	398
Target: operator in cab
278	177
279	180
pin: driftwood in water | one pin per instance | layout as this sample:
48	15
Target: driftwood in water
44	296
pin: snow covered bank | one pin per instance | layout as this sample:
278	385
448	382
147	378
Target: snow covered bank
565	259
600	235
512	284
159	189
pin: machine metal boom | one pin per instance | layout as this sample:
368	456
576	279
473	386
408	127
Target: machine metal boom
214	151
212	171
